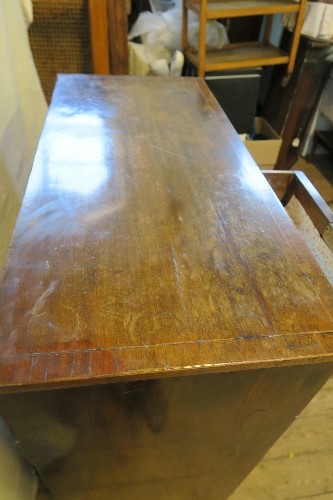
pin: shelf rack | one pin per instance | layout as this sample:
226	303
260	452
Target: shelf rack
241	55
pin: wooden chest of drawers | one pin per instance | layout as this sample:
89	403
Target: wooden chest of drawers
161	321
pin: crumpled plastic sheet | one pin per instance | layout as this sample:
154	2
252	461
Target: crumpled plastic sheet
161	32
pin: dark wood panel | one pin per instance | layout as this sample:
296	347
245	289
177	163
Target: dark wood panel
118	31
181	438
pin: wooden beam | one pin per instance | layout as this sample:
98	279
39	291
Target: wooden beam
99	39
118	29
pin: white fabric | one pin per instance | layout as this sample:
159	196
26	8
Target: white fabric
137	61
318	21
22	114
27	11
17	480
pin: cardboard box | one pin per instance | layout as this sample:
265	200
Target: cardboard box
264	151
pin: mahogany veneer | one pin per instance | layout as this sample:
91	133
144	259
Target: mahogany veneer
149	246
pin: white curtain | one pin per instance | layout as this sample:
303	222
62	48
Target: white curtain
17	479
22	112
318	21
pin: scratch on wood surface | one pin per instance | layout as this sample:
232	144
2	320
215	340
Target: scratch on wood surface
179	283
100	213
72	366
130	321
41	301
170	152
34	361
79	322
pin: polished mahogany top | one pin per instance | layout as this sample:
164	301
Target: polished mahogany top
150	244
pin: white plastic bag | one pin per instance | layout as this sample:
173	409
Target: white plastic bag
154	34
161	32
216	34
161	5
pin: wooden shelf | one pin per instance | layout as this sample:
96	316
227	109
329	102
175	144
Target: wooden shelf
240	56
241	8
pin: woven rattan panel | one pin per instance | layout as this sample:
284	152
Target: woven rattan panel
59	38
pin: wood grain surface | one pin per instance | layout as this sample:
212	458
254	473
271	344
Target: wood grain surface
149	244
180	438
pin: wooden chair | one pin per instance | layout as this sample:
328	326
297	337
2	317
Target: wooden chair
287	183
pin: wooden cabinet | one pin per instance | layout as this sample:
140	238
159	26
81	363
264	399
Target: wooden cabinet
162	322
241	55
